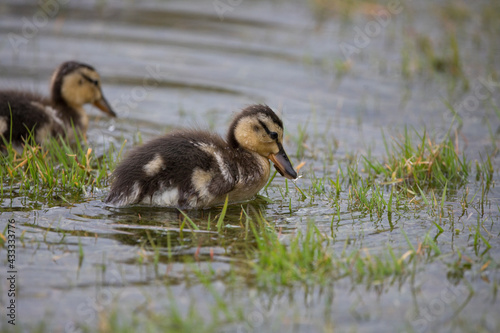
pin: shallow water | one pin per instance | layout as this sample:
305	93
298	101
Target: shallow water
168	64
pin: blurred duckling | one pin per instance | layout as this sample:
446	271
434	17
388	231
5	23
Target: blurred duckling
73	85
192	169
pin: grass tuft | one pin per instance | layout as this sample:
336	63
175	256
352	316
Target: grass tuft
55	168
425	163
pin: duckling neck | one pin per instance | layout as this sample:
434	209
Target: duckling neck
72	116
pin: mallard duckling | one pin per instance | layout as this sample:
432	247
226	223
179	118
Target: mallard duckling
195	169
73	84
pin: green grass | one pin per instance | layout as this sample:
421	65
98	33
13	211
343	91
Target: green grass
423	163
414	166
308	259
56	168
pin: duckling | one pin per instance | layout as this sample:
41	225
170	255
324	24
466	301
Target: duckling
73	84
193	169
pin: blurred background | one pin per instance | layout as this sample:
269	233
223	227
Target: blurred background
354	65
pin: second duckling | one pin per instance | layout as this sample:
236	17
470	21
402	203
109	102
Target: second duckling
73	85
196	169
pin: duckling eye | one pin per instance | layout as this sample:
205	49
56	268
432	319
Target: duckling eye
80	82
273	135
94	82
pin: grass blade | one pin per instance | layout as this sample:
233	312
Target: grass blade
220	221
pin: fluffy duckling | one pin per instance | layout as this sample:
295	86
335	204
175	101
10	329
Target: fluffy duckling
73	84
194	169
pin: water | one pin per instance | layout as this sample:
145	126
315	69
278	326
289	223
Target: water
169	64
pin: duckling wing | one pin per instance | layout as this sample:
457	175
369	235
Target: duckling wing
185	169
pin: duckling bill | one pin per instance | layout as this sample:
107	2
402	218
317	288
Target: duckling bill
73	85
196	169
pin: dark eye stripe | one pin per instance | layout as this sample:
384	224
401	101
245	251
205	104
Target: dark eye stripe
94	82
273	135
264	126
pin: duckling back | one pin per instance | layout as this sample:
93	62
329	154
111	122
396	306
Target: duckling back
23	114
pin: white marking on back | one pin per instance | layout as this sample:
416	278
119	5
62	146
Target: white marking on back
201	181
53	114
223	167
154	166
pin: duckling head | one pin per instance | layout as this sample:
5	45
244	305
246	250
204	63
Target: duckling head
258	129
76	84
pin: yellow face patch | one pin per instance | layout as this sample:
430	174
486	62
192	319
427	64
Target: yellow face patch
259	134
81	87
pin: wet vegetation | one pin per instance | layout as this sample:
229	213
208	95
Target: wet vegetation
54	168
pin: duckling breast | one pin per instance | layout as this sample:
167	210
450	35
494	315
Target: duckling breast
253	174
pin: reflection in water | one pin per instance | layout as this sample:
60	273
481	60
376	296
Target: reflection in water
168	230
